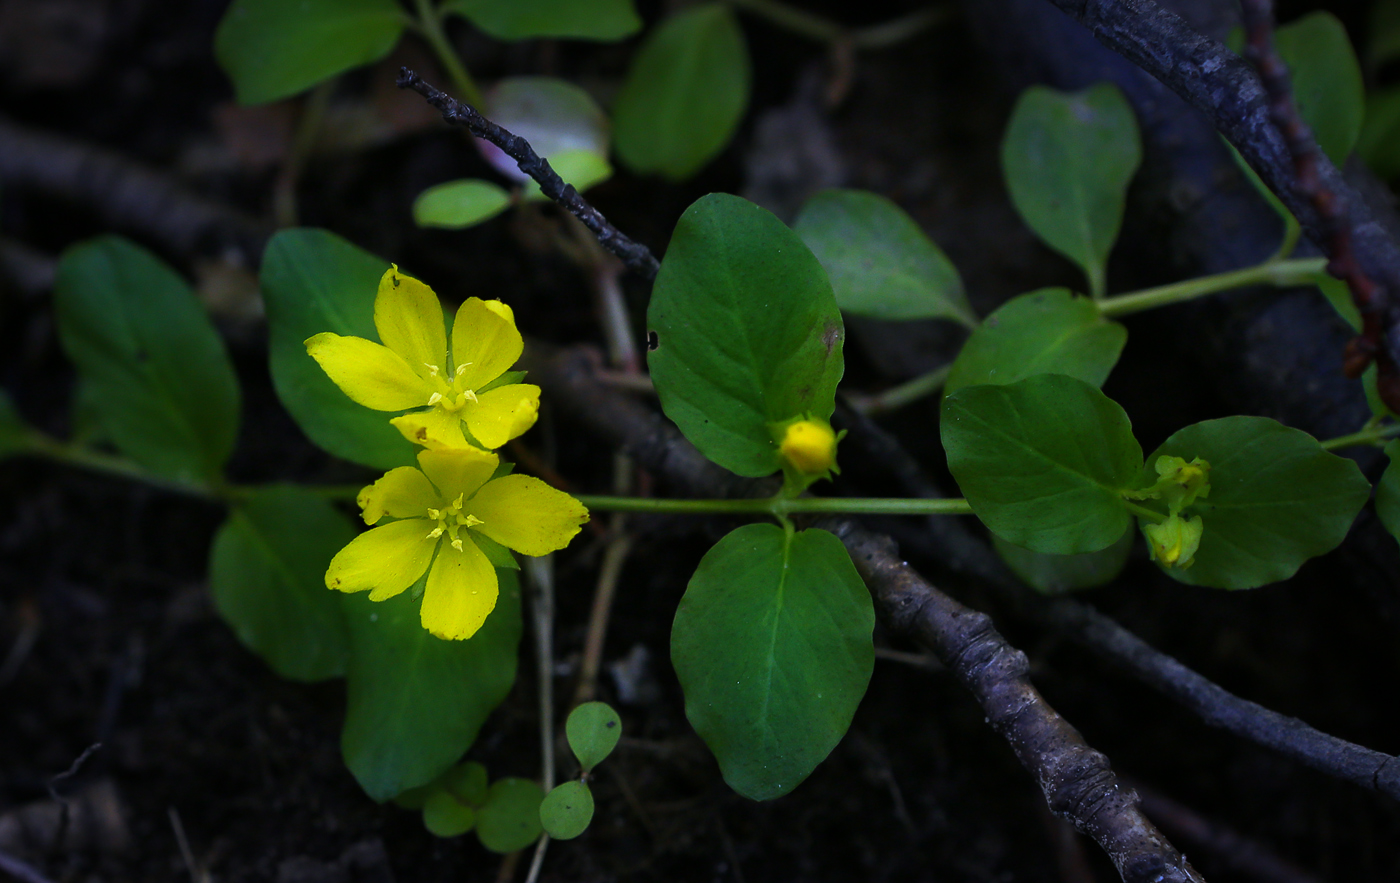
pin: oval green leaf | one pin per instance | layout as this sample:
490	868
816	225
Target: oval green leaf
567	810
459	204
581	168
1388	491
314	281
156	369
1326	80
593	730
880	262
443	816
267	573
747	332
273	48
685	93
1043	461
603	20
467	782
1058	574
1276	500
1068	158
772	645
1049	331
414	703
510	818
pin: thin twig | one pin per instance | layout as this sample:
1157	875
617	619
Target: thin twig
21	871
635	255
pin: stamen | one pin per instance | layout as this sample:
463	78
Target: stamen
432	369
435	398
457	544
435	532
434	514
462	368
470	395
473	521
457	503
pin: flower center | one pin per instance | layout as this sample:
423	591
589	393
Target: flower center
451	520
450	397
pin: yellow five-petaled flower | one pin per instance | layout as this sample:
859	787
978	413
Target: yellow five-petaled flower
439	510
414	368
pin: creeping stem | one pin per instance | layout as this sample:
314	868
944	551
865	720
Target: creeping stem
1294	271
777	506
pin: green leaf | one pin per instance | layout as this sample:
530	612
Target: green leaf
274	48
267	573
567	810
1388	491
746	329
414	702
510	818
498	555
1068	158
581	168
772	645
685	94
459	204
593	730
1049	331
1326	80
1057	574
552	114
880	262
15	434
154	364
1384	34
1379	142
604	20
1043	461
314	281
443	816
1276	500
467	783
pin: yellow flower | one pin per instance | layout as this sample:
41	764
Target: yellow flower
413	368
809	447
1174	542
439	510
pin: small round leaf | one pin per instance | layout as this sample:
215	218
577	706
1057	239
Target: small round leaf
593	730
467	783
445	817
510	818
567	810
456	205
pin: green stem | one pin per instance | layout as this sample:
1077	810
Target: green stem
430	26
1371	435
1141	511
903	394
1294	271
109	464
776	507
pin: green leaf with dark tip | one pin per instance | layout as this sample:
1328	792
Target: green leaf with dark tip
275	48
747	332
685	93
154	364
1276	500
510	818
1057	574
1068	158
443	816
1326	80
314	281
459	204
567	810
1049	331
1043	461
1388	491
604	20
772	645
267	573
880	262
15	434
593	730
414	703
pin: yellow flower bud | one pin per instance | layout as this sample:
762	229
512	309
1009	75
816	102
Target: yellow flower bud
1174	542
809	446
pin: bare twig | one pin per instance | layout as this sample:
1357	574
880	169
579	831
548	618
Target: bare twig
21	871
635	255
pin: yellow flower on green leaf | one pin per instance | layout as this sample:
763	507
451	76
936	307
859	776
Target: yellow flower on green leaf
414	367
440	508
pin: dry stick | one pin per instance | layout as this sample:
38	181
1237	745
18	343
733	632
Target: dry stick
1218	82
1077	781
635	255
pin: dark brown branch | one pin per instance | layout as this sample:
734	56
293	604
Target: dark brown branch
1221	84
636	256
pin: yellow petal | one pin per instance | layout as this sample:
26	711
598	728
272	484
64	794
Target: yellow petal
433	428
409	319
369	373
457	470
484	342
403	493
461	591
503	413
387	559
527	515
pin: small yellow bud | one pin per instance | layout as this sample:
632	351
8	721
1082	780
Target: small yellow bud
1174	542
810	446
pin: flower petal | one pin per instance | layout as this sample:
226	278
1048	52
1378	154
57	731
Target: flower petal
387	559
526	514
461	591
433	428
403	493
484	341
409	319
369	373
458	470
503	413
